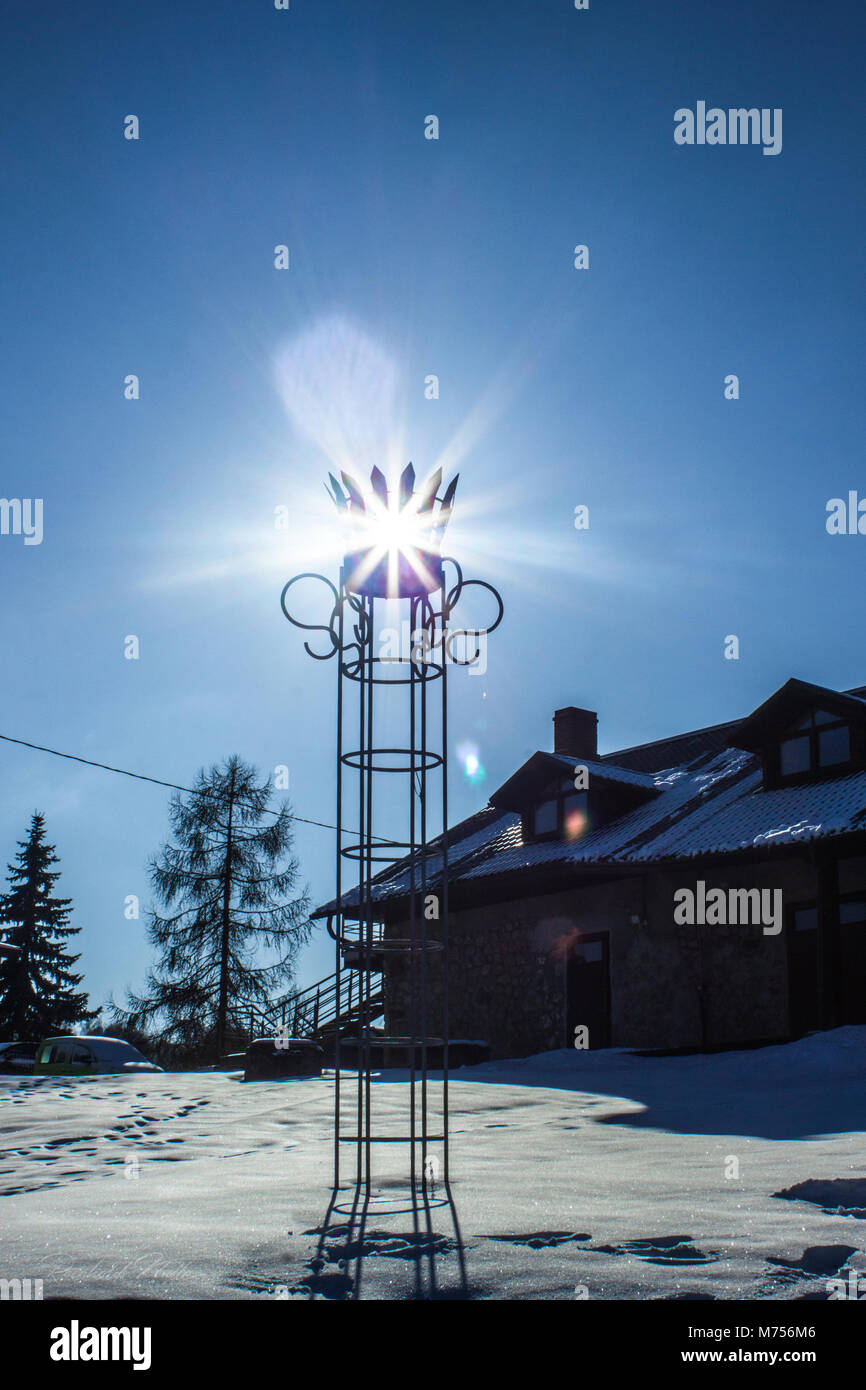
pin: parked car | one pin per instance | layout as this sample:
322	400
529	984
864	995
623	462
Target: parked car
87	1056
17	1057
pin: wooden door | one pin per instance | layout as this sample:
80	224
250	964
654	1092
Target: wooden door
588	990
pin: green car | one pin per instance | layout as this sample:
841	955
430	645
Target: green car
87	1056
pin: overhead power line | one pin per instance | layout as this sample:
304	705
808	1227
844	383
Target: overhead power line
160	782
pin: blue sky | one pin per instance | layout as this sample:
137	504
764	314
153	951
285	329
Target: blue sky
558	387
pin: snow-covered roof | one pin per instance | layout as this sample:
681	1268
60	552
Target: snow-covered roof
712	803
543	768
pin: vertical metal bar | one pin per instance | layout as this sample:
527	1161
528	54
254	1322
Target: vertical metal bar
339	931
412	1024
366	973
362	833
423	895
444	903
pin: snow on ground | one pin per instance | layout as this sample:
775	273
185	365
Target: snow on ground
606	1175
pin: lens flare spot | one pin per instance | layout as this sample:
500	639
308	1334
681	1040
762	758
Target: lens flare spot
576	825
470	761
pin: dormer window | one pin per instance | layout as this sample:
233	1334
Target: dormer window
563	816
818	742
564	797
803	733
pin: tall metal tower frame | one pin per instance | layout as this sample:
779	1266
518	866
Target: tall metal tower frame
382	579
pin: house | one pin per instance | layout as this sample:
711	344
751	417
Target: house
705	890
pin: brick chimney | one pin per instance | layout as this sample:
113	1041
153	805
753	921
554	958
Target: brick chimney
575	732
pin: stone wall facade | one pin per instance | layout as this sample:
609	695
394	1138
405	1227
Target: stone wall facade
671	986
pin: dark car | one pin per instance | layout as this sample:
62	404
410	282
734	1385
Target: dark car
85	1056
17	1057
269	1058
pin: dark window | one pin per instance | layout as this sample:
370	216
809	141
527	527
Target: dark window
806	919
834	745
853	912
574	815
589	951
795	756
819	741
545	820
563	815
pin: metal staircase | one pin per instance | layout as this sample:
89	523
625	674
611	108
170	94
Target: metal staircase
312	1012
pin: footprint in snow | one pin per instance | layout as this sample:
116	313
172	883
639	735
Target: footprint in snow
835	1196
542	1240
662	1250
816	1262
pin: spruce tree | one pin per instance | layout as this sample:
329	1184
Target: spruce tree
224	883
37	986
